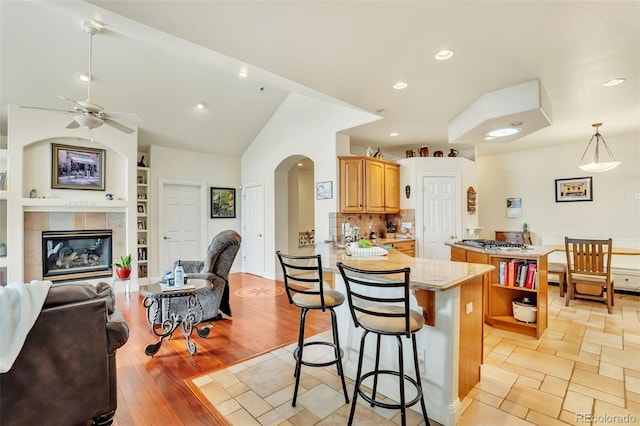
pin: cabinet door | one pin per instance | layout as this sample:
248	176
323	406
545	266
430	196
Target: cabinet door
374	186
392	188
351	185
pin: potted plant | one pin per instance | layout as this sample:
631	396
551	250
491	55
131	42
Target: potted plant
123	267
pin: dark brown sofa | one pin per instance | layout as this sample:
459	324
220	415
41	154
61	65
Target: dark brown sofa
65	373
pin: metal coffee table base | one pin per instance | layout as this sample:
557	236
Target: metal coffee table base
167	327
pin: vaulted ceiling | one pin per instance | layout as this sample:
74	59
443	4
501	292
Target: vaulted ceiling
157	59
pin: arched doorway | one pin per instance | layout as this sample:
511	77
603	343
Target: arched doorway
294	205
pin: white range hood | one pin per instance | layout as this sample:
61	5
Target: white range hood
525	106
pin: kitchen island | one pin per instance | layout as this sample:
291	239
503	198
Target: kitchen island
450	345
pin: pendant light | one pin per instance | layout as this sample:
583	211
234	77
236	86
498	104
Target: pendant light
595	165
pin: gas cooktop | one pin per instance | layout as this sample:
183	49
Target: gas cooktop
490	244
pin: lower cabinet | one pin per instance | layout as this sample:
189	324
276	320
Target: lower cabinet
406	247
499	292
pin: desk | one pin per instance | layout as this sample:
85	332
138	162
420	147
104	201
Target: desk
153	297
451	346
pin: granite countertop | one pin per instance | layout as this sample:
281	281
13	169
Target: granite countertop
428	274
390	240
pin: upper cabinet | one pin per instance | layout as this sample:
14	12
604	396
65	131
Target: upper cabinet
368	185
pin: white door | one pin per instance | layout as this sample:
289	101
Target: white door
439	215
253	229
180	224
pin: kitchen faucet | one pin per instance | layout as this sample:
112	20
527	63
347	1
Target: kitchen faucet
350	233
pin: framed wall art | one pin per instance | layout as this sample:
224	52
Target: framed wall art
324	190
223	203
74	167
574	189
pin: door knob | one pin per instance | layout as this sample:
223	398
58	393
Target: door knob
259	235
166	238
452	237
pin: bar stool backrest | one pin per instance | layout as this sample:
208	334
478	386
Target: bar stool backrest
373	293
302	274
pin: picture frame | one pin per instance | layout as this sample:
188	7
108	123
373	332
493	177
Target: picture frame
3	177
141	225
142	209
574	189
324	190
75	167
223	203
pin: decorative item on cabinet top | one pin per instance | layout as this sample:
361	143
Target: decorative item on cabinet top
438	153
423	151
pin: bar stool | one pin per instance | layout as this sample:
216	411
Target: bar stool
305	289
379	303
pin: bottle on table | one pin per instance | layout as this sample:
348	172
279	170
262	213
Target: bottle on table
178	274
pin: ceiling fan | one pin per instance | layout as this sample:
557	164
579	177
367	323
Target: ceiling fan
88	114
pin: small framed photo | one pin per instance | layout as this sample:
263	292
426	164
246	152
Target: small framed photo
141	224
3	176
140	179
75	167
574	189
141	241
142	209
223	203
324	190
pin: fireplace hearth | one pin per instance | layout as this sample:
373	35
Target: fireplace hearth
75	255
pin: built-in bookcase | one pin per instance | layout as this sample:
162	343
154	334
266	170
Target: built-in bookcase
143	218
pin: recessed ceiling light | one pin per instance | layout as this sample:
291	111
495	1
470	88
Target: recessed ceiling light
613	82
393	134
84	76
444	54
243	73
201	105
489	138
399	85
502	132
300	164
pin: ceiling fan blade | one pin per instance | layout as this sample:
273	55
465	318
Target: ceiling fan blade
123	115
49	109
73	125
73	101
118	126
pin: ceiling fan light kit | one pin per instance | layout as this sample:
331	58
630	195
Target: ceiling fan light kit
595	165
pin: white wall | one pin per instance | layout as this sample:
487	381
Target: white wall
614	211
301	126
188	166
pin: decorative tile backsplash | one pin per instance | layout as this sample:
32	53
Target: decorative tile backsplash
371	221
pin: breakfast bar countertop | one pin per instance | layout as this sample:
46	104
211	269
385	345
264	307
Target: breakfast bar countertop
427	274
533	251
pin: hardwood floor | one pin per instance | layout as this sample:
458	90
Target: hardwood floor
152	391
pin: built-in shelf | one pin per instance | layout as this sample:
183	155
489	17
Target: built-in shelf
3	262
71	203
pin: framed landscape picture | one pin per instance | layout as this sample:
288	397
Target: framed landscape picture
74	167
223	203
574	189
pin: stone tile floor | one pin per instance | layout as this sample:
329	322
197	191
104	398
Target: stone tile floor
584	370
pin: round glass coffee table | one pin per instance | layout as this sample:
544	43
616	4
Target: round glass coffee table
157	299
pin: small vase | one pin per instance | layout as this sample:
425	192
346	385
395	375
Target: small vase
123	273
453	153
424	151
438	154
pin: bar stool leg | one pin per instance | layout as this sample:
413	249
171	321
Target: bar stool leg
376	368
415	361
357	381
403	406
298	354
338	353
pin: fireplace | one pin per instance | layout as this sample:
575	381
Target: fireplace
74	255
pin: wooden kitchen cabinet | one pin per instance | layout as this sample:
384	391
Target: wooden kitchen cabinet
517	237
368	185
406	247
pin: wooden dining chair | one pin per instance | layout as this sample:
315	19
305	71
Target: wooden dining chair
589	264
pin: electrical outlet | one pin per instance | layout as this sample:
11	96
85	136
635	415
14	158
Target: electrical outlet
407	225
469	308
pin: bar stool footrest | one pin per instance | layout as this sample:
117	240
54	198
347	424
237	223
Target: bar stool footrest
296	355
378	403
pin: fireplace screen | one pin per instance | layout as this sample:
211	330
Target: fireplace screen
71	255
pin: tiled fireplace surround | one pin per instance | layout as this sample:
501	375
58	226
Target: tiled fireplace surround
36	222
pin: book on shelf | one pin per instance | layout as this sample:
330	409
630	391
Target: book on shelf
503	266
532	272
522	274
511	276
